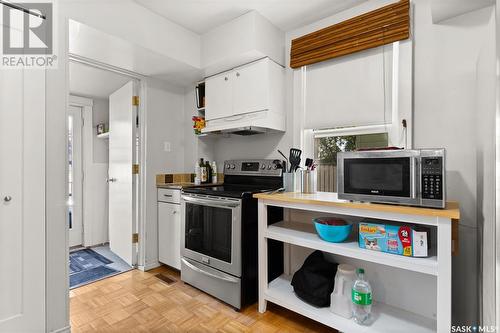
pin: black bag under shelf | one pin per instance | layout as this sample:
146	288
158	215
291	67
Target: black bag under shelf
314	281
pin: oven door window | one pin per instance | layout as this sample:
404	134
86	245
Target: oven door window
209	231
378	176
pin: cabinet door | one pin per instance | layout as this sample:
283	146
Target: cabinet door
169	233
219	96
251	87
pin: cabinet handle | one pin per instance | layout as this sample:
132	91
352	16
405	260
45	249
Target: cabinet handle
168	195
174	212
226	78
237	74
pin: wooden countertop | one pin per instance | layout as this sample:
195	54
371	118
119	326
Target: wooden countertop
452	209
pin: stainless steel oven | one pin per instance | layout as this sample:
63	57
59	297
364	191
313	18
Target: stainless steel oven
219	232
211	232
408	177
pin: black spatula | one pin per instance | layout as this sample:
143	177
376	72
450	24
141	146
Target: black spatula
294	159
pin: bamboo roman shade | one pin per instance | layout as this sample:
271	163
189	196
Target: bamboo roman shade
382	26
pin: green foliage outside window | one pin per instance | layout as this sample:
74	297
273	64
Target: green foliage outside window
326	148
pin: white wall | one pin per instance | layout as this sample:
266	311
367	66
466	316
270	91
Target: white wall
448	114
497	171
100	114
165	123
486	106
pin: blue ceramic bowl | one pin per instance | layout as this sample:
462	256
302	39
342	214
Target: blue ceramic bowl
333	233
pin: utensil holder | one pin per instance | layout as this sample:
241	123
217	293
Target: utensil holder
290	181
309	181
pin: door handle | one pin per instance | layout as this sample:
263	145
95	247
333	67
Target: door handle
7	198
111	180
234	118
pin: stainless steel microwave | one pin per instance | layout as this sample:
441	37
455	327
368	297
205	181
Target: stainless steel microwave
404	177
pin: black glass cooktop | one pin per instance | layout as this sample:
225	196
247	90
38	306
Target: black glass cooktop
231	191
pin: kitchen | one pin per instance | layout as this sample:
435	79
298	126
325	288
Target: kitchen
237	92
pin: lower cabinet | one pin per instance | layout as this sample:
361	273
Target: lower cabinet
169	234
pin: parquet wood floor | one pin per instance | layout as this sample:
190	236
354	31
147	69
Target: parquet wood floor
138	301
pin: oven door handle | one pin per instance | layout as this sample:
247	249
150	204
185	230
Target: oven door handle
211	203
215	276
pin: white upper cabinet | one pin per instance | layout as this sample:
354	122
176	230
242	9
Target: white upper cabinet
245	89
251	88
219	96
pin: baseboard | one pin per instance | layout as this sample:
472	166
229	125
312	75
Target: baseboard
149	266
66	329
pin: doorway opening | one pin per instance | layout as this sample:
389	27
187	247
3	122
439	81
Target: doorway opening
103	137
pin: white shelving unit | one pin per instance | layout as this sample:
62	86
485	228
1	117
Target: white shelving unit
302	234
386	318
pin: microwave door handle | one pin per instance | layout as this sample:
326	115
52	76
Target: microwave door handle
413	177
219	277
212	203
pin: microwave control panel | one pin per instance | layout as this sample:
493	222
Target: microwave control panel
432	177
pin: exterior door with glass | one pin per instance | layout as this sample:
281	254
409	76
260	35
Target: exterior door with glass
75	175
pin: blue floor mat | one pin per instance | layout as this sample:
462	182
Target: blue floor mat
90	275
86	266
86	259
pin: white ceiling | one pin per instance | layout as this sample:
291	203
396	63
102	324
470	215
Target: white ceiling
93	82
201	16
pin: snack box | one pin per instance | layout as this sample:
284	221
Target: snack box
399	239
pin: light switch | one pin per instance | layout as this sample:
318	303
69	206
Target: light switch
167	146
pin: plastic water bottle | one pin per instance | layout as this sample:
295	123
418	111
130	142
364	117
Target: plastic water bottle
361	299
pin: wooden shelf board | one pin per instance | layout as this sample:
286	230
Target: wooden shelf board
386	318
304	234
451	211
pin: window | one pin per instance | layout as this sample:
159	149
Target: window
327	147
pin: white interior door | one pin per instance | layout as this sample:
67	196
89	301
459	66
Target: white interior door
122	189
75	193
22	200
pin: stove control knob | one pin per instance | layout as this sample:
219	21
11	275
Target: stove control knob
269	167
275	167
227	166
233	166
263	166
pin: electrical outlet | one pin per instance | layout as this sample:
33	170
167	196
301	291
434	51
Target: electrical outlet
167	146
